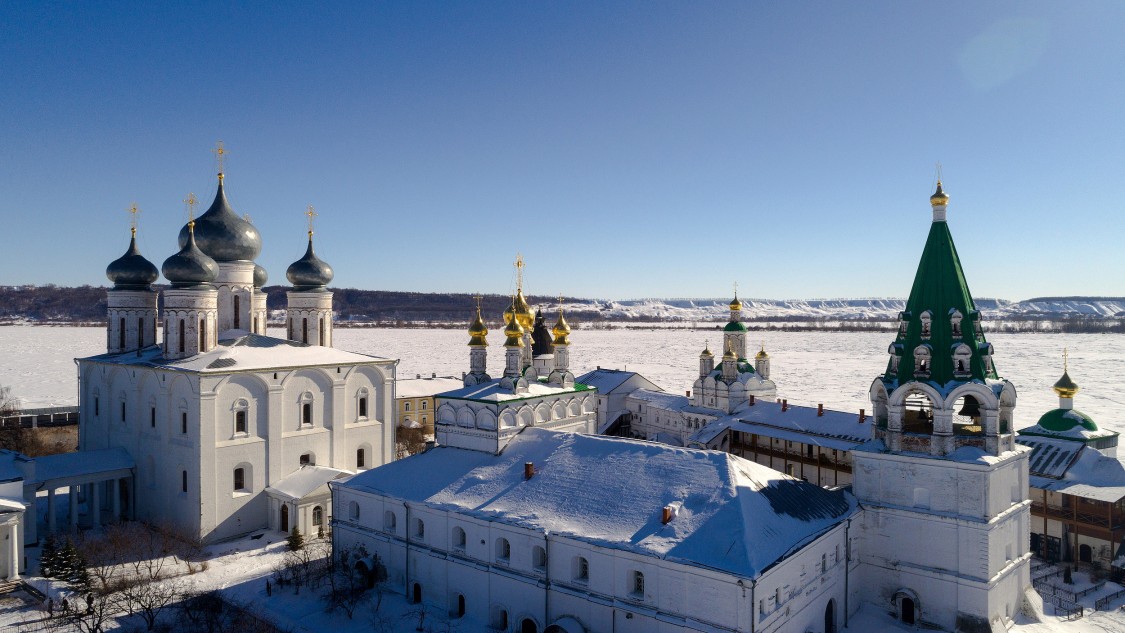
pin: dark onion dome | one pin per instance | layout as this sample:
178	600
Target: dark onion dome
260	276
190	267
541	342
310	272
223	235
132	271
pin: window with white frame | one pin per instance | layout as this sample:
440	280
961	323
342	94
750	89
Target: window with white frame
353	510
390	521
240	425
306	409
503	550
539	558
581	569
419	528
239	479
459	538
638	583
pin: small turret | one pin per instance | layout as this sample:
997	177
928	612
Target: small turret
478	351
706	361
762	363
131	305
561	376
309	309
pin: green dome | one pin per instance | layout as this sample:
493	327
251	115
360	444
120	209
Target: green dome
734	326
1062	420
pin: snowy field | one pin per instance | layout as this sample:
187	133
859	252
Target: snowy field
835	368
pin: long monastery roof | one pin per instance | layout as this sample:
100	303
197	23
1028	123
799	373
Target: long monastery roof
731	514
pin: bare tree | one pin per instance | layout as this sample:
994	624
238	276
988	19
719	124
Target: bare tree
150	596
409	441
351	575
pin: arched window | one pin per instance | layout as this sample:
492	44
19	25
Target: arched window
237	321
202	335
181	336
183	422
926	318
406	406
323	333
459	538
638	583
121	334
539	558
304	330
423	405
152	417
140	333
307	459
183	481
390	521
581	569
353	510
239	480
503	550
318	515
362	408
419	528
306	407
460	607
922	361
360	462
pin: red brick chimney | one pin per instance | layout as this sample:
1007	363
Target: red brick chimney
528	470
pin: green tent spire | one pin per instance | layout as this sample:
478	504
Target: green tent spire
940	317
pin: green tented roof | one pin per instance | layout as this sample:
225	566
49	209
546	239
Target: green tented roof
940	287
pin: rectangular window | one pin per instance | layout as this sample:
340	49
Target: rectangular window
363	407
239	479
306	413
183	481
96	412
152	417
239	421
359	459
183	422
638	583
123	411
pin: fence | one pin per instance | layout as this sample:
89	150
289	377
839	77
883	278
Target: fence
34	418
1104	601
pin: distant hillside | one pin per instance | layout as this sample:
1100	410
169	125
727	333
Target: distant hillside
87	304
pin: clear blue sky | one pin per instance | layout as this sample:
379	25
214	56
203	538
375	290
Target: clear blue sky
627	149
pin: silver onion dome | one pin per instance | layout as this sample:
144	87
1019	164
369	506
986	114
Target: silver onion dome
260	276
310	272
222	235
132	271
190	267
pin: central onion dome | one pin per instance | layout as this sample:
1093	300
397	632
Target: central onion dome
260	276
191	267
478	331
1065	387
132	271
523	311
223	235
310	272
513	331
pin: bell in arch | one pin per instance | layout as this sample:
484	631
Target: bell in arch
971	408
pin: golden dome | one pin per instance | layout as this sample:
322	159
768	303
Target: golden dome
736	304
706	352
514	332
478	331
1065	387
762	354
729	354
561	330
940	198
523	310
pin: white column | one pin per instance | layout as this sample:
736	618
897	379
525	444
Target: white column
94	504
50	510
115	498
14	550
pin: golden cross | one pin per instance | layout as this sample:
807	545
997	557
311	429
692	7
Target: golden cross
478	297
311	212
519	271
937	167
220	152
133	210
1065	359
736	290
191	201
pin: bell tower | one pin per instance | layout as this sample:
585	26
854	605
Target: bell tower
944	486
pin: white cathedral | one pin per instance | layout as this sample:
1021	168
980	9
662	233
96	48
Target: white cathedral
528	529
230	430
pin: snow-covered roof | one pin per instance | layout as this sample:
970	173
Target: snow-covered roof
834	429
422	387
12	505
1075	469
305	480
9	465
606	380
492	392
82	463
964	455
731	514
660	399
239	350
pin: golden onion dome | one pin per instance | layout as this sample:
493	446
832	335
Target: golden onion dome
736	304
706	352
762	354
523	311
940	198
478	331
1065	387
514	332
509	312
729	354
561	330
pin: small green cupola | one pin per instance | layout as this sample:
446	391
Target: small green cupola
940	339
1068	423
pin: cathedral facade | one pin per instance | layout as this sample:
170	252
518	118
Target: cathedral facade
231	430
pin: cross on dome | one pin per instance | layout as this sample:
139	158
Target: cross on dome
133	211
191	201
220	154
311	213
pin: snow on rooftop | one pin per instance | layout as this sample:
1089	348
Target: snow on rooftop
1075	469
606	380
492	392
82	463
841	430
734	515
239	350
663	400
422	387
305	480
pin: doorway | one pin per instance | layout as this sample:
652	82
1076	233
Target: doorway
528	626
830	617
906	610
284	517
417	594
1085	553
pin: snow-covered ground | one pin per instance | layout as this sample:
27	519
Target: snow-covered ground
834	368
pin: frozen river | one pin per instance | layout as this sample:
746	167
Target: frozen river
835	368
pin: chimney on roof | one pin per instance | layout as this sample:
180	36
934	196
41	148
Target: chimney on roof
820	410
433	375
751	399
862	416
667	515
417	376
784	406
528	470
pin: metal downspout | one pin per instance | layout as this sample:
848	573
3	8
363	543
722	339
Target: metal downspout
406	565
